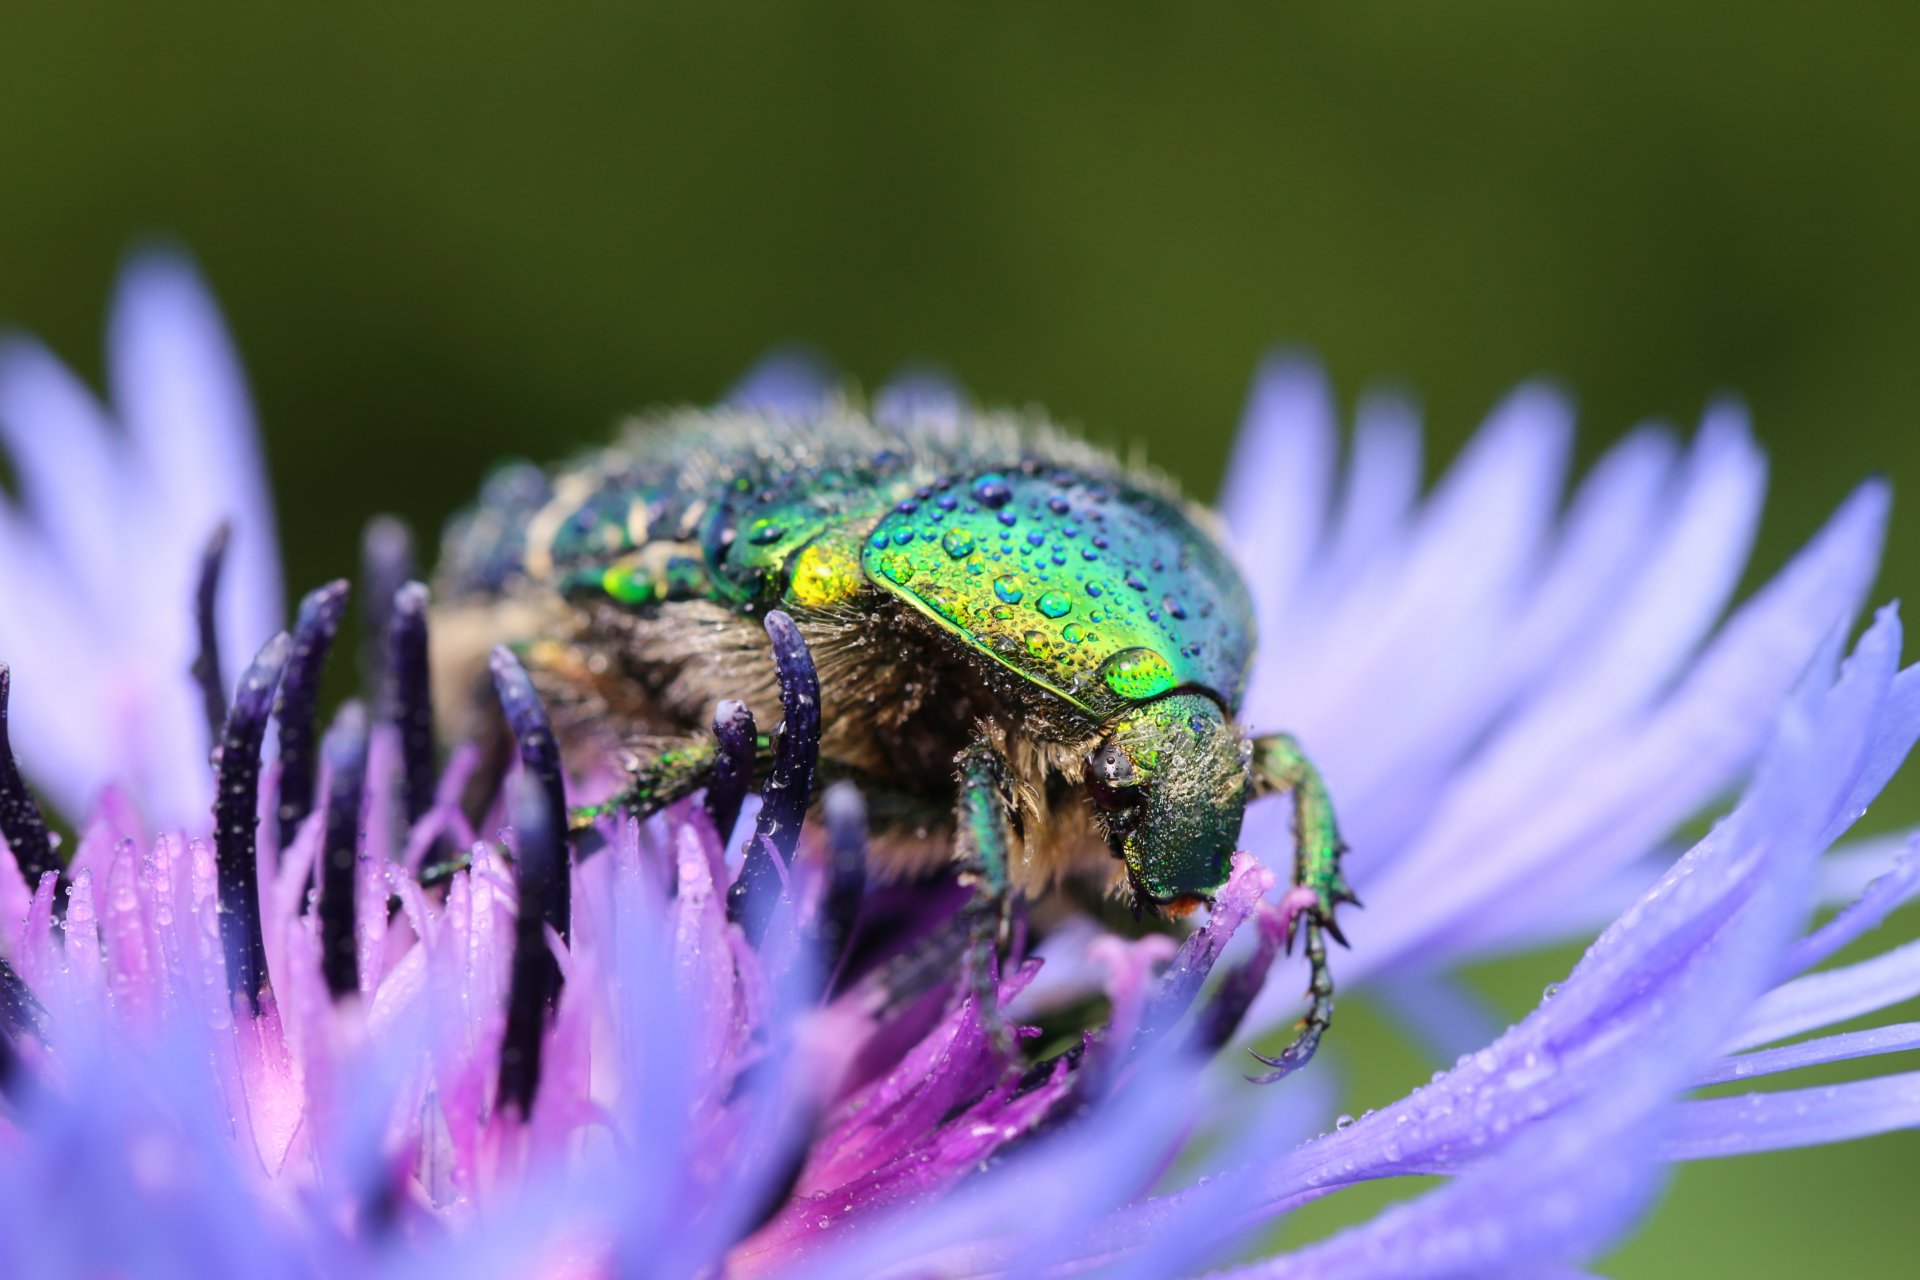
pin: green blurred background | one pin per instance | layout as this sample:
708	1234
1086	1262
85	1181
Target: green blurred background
444	232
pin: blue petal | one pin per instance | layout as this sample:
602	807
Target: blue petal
1796	1118
792	382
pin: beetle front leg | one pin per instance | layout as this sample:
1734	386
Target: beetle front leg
1318	885
984	847
662	771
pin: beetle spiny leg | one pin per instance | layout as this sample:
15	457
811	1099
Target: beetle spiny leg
734	730
236	814
540	759
789	786
345	749
206	659
22	824
314	627
983	847
540	875
1318	1017
409	702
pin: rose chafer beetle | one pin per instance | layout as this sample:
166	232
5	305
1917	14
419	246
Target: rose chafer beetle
1030	657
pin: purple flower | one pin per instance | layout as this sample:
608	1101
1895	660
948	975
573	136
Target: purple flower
329	1027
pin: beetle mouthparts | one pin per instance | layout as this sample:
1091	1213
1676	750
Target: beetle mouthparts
1183	906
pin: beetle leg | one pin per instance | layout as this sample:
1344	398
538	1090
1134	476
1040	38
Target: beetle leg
663	771
1318	885
984	843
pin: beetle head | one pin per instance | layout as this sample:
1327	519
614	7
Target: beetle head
1170	783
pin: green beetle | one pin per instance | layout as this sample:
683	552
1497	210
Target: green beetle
1019	640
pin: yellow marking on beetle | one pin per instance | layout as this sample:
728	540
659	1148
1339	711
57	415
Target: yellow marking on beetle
826	573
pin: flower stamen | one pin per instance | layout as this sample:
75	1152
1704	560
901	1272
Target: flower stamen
386	565
314	627
345	749
540	758
839	913
206	659
236	816
540	874
734	729
409	702
21	823
789	787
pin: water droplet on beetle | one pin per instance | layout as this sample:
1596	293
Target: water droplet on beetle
992	491
958	542
1054	604
1137	674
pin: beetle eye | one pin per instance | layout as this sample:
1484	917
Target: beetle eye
1112	779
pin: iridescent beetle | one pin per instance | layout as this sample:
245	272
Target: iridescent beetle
1030	656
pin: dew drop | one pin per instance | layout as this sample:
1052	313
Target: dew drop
1071	634
1344	1122
1054	604
958	542
1137	674
992	491
1008	589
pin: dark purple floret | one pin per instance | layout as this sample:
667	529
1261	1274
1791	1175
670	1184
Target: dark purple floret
345	749
1218	1020
21	821
540	873
789	787
540	758
846	815
313	630
734	730
20	1015
236	814
409	697
386	564
206	661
